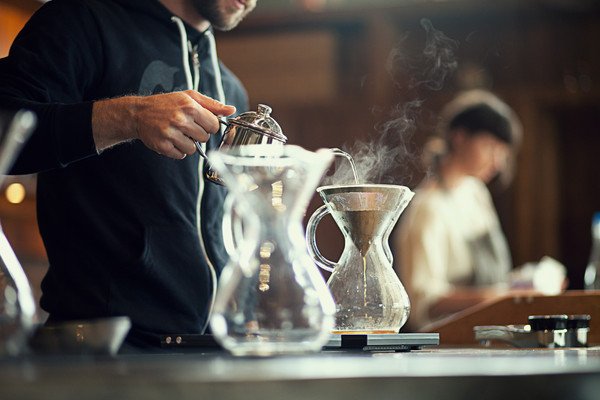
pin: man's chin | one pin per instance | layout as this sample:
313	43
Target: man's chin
229	24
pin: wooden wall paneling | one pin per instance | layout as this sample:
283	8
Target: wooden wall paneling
524	184
291	67
542	188
580	186
592	32
12	19
28	6
381	38
19	222
535	187
548	199
13	16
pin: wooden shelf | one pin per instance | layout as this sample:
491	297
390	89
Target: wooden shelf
514	310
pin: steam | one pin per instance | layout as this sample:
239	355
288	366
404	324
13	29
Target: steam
438	57
379	159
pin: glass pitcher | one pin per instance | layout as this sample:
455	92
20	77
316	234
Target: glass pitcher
271	298
368	294
17	305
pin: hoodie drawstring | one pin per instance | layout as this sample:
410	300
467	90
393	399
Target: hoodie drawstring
215	64
186	49
185	52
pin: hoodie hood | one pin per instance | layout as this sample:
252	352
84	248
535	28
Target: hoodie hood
151	7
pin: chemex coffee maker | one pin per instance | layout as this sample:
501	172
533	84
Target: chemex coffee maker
369	297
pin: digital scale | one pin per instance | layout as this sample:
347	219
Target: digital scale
369	342
383	342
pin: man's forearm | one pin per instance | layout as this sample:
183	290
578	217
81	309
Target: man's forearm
166	123
114	121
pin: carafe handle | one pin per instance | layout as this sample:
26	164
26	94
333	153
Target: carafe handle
386	245
232	226
311	239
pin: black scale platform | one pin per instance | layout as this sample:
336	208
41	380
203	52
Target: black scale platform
375	342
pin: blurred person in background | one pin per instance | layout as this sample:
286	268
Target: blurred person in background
450	249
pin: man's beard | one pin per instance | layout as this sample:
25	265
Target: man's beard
218	18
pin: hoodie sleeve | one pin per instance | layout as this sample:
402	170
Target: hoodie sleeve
51	67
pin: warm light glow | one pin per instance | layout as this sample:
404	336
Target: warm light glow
264	276
15	193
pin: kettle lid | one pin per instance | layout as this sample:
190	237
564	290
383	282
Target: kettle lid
260	121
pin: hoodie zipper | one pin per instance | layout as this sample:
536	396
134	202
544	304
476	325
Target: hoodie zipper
193	83
211	267
196	66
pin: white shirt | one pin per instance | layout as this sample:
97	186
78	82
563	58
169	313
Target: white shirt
449	238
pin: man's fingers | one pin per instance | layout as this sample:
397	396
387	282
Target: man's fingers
200	125
212	105
184	144
173	152
206	121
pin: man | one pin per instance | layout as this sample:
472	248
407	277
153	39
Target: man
129	224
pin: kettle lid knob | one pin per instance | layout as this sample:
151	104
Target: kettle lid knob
264	110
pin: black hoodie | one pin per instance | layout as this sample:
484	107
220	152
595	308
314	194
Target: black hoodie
120	227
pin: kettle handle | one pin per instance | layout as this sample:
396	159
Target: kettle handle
199	146
200	149
311	239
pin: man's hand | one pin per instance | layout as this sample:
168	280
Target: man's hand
166	123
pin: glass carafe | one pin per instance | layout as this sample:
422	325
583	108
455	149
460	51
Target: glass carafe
368	294
17	305
271	298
